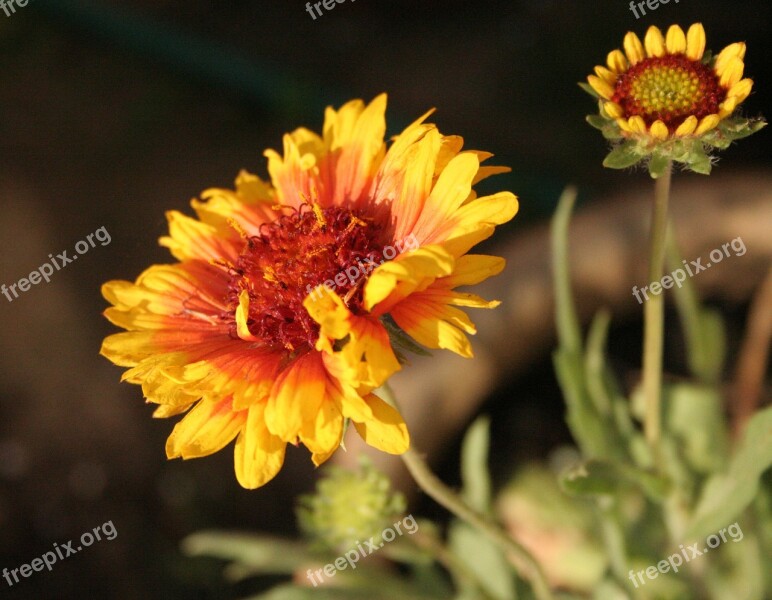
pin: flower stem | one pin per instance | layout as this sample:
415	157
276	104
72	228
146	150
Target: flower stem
654	315
446	497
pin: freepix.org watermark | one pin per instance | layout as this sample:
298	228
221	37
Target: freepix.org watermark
652	4
672	562
44	271
60	552
351	558
7	6
328	5
354	272
678	276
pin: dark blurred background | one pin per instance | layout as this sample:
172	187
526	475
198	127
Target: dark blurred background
113	112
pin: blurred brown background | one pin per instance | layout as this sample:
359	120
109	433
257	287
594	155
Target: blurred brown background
113	112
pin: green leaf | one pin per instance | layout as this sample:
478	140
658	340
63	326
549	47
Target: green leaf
694	416
604	478
493	574
261	554
623	156
725	496
569	332
474	466
587	427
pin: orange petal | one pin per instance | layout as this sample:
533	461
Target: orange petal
296	394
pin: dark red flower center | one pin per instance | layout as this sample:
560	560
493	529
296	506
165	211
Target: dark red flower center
291	257
669	88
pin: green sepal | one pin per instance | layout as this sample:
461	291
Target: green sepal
588	88
699	161
658	164
623	156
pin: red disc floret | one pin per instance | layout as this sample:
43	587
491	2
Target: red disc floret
293	255
669	88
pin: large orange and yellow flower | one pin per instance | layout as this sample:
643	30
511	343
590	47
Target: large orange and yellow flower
274	326
663	89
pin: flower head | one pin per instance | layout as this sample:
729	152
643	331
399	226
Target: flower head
666	99
349	506
276	324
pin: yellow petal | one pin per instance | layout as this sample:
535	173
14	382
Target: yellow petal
654	42
207	428
259	455
733	72
624	125
637	124
606	75
474	215
707	124
322	435
189	238
386	431
451	190
328	309
604	89
431	322
633	48
472	269
695	42
687	127
659	130
242	316
727	107
675	40
616	61
613	110
740	90
736	50
397	279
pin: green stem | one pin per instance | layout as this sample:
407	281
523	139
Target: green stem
654	316
446	497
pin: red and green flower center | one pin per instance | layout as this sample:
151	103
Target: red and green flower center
669	88
291	257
